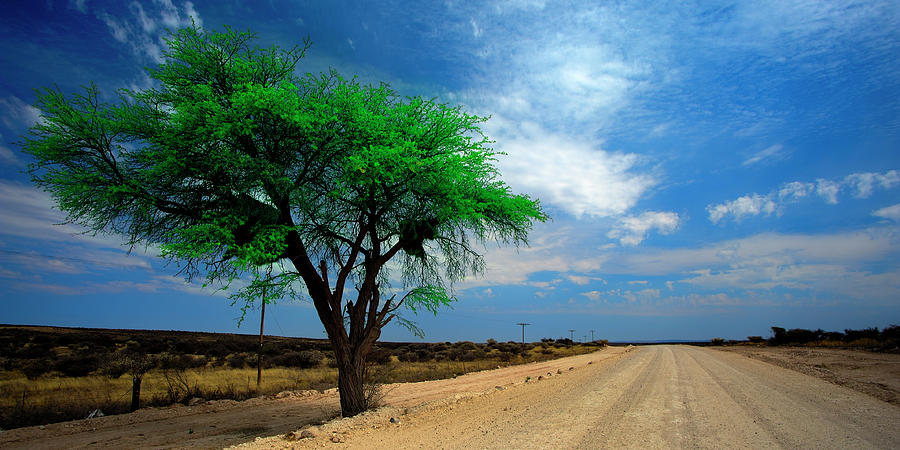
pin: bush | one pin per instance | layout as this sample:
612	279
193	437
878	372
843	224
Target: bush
305	359
756	339
241	360
33	368
717	341
78	365
408	357
380	356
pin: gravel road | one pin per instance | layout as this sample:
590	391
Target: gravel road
655	397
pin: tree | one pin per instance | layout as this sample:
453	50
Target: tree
237	167
134	364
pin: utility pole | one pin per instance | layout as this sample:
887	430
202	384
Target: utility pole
571	337
262	320
523	331
592	335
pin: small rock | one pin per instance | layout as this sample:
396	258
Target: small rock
292	436
42	427
395	420
337	439
307	434
558	371
590	362
540	377
499	388
571	368
195	401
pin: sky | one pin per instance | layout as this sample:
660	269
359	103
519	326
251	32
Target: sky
712	169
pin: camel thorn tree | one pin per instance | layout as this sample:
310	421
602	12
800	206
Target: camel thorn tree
234	165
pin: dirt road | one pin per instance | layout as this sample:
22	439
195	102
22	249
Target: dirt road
656	397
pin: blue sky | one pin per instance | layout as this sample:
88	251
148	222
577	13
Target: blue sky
712	168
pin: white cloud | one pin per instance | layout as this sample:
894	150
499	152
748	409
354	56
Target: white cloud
863	185
570	173
795	190
579	279
632	230
642	296
828	190
16	113
593	295
889	212
772	152
748	205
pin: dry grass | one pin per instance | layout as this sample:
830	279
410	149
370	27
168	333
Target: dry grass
51	398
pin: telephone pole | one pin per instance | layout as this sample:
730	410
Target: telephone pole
571	337
592	335
262	320
523	330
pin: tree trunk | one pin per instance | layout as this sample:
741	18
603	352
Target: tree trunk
350	384
136	393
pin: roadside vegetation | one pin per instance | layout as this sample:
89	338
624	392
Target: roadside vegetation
872	339
56	374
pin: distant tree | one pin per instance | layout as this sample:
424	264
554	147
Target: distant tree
134	364
779	336
236	166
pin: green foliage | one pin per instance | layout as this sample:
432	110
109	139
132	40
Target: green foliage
233	164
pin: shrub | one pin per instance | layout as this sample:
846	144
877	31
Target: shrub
33	368
855	335
241	360
305	359
865	343
717	341
78	365
380	356
756	339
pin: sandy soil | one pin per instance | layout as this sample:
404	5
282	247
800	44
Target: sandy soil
876	374
219	424
657	397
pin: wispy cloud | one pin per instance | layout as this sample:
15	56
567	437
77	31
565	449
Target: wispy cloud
145	29
861	185
827	264
17	114
773	152
889	212
7	156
